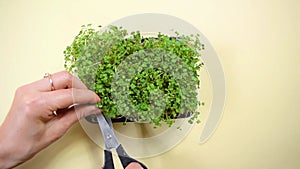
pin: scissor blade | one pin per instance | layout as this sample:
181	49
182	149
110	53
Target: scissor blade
109	122
107	132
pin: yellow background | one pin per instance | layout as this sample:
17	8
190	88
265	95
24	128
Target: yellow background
257	42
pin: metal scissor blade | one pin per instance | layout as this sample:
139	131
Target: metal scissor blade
109	122
107	132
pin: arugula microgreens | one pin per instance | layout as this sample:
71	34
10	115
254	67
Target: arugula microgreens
96	56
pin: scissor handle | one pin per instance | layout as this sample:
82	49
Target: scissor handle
108	160
125	160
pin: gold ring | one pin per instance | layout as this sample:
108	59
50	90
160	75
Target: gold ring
48	75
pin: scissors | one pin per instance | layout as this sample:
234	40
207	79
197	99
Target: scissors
111	142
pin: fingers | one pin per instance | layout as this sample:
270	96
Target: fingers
66	119
59	91
82	111
60	99
60	80
73	115
134	165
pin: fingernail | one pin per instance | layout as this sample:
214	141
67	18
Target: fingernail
98	98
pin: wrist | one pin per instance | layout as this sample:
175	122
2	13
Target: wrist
7	159
4	160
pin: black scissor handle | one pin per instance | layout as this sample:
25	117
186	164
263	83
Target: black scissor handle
108	160
125	160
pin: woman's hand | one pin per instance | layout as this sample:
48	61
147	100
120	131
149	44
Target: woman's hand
31	124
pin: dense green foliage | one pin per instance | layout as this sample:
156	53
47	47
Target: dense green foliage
168	65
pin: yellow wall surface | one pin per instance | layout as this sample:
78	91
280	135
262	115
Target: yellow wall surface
257	43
